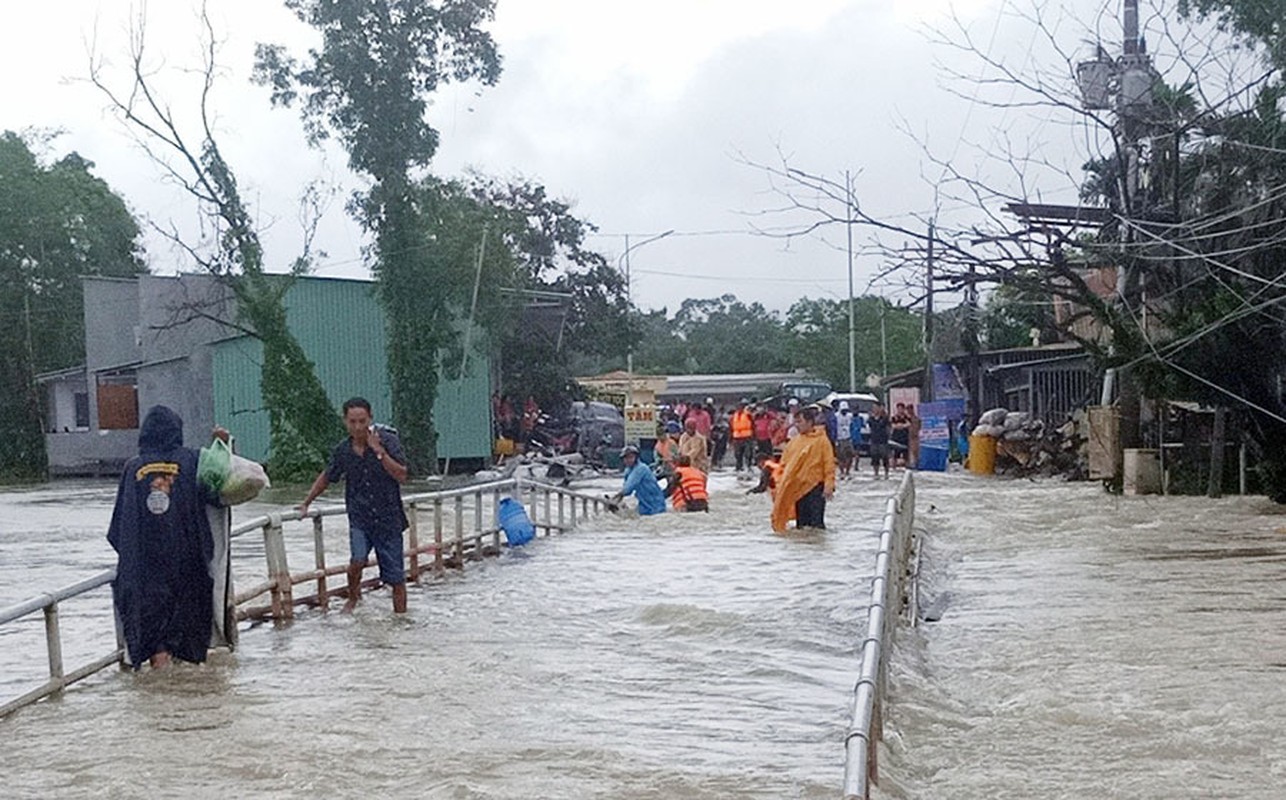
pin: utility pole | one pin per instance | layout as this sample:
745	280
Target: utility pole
629	309
852	334
884	341
928	316
629	301
973	377
1135	95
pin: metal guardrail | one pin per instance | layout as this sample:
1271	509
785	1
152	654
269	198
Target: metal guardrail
452	545
48	603
891	597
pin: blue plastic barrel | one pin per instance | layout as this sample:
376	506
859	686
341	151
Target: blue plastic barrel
933	459
515	522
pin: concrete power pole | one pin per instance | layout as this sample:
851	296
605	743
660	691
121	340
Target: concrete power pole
1135	96
852	333
928	316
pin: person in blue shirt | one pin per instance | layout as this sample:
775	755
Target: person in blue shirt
640	482
373	467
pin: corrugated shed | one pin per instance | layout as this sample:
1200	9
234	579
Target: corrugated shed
340	326
238	401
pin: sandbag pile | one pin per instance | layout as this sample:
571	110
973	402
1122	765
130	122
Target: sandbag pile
1026	446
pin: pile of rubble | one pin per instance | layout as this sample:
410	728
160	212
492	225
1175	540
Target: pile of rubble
1028	447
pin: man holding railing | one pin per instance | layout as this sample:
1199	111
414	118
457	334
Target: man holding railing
373	467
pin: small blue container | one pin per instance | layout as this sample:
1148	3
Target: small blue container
515	522
933	459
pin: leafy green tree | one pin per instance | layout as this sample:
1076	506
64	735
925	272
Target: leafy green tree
660	350
369	83
539	345
819	338
1258	22
58	222
1012	313
723	334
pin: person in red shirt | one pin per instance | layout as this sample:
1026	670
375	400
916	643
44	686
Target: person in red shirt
763	430
701	416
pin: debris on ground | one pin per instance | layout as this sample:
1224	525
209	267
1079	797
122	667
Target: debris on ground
1027	447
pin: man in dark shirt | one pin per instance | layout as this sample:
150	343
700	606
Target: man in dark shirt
373	467
878	423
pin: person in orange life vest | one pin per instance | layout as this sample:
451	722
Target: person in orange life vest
742	427
693	445
667	445
687	487
769	474
807	476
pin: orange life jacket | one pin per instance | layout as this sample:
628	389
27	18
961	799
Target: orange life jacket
692	486
743	425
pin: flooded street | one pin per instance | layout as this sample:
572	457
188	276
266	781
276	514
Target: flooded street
677	656
1092	646
1088	646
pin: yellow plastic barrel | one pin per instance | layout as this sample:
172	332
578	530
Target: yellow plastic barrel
982	455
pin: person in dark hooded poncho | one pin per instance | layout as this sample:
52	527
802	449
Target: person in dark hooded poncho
162	537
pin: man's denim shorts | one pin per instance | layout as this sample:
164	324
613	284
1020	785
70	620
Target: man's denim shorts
388	551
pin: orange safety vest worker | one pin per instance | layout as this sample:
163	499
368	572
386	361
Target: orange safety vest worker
743	425
690	489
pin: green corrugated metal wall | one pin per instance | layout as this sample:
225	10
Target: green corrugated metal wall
340	326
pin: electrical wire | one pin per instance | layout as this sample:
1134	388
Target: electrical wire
1226	267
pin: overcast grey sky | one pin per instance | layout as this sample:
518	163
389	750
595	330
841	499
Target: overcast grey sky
633	110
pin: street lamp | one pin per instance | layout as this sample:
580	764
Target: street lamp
629	299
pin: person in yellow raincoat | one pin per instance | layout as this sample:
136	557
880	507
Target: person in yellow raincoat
807	476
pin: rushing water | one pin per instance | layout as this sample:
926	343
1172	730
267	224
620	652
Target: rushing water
1089	646
1092	646
681	656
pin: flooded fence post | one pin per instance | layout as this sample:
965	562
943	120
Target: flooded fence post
1241	468
495	520
562	518
54	646
477	524
319	560
459	530
274	546
413	539
437	535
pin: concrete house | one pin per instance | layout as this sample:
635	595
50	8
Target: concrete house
175	340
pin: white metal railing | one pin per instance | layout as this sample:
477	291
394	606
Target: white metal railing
48	603
459	533
892	597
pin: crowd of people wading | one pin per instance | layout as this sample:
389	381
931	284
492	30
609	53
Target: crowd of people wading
798	454
163	528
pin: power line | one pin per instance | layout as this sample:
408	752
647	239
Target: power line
733	278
